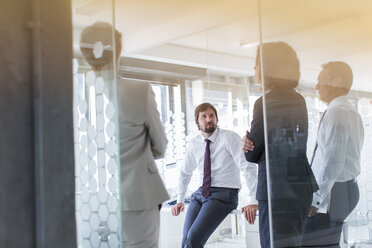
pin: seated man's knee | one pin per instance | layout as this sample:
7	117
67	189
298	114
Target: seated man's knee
193	240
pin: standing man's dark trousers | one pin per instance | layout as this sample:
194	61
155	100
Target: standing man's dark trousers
289	216
205	214
324	230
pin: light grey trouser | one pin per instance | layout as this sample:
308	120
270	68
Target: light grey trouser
141	228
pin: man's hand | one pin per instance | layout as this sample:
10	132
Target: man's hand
250	213
247	143
313	211
177	209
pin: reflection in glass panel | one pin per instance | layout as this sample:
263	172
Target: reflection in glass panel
191	52
94	109
177	95
338	119
228	97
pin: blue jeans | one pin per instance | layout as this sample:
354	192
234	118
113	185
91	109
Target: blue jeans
205	214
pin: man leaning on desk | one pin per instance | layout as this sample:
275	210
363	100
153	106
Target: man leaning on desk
217	154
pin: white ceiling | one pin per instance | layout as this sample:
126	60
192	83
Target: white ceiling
209	33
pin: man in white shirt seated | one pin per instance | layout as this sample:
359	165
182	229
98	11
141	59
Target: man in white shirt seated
217	154
336	158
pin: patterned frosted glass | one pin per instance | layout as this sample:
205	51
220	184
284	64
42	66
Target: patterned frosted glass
97	188
112	166
98	49
91	132
83	124
83	142
93	203
113	185
99	103
113	222
100	140
85	211
105	245
100	122
94	239
84	177
95	135
94	221
86	229
92	167
93	185
100	85
114	241
112	204
111	148
103	212
92	150
110	129
83	107
110	111
90	78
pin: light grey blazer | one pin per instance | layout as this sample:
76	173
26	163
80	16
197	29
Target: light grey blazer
142	139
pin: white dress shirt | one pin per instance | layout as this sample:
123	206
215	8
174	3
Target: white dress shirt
337	158
227	159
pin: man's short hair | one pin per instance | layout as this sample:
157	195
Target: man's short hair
100	32
203	107
342	70
281	67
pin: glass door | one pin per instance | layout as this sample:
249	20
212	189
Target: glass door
313	64
97	168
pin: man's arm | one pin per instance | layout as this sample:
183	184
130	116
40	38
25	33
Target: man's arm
249	212
335	149
155	129
249	170
250	173
257	134
247	143
185	174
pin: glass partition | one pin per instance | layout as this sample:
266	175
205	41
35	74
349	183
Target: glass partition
192	52
95	125
262	65
319	126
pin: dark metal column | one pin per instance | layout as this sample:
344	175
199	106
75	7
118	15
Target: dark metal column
37	192
17	196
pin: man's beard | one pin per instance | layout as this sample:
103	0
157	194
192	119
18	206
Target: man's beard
209	129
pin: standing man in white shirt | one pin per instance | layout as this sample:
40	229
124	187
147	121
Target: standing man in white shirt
336	158
217	154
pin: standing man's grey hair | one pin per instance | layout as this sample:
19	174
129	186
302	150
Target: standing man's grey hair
340	70
100	32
